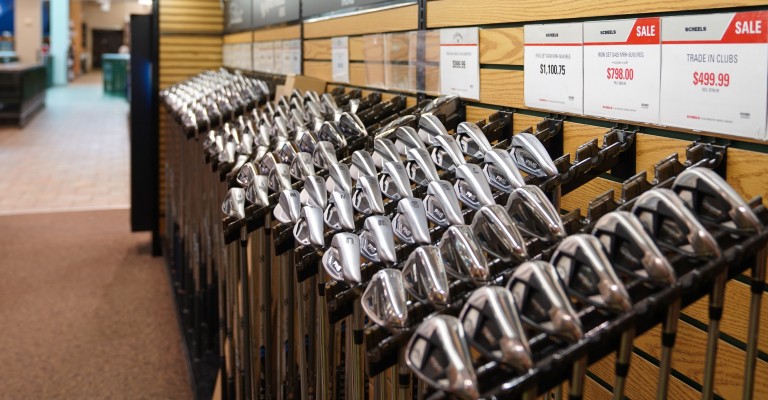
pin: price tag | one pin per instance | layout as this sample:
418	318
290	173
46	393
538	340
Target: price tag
292	56
622	69
714	73
554	73
460	62
340	59
268	56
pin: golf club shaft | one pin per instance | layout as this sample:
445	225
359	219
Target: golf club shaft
355	355
622	363
669	331
576	389
324	365
758	286
715	312
246	315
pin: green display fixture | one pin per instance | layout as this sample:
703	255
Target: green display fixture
115	69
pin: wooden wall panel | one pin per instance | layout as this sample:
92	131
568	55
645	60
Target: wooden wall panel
482	12
641	382
279	33
581	197
746	172
319	49
652	149
403	18
242	37
318	69
191	40
502	46
501	87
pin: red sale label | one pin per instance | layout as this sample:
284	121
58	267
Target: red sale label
715	73
622	69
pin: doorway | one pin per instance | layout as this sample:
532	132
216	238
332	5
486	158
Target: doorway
105	42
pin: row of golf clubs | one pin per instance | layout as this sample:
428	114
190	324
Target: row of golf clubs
306	230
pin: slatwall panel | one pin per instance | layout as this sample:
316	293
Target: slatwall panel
501	58
190	42
501	75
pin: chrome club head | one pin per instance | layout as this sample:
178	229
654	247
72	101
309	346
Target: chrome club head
234	203
424	277
362	165
441	204
377	242
714	201
629	246
309	229
388	130
342	260
472	140
439	355
430	127
351	126
446	153
287	151
534	214
501	171
306	140
302	167
324	155
394	182
492	324
329	132
531	156
259	154
462	255
497	234
383	151
472	187
339	177
384	300
314	192
585	269
366	197
339	214
667	219
406	139
246	174
410	223
229	154
288	208
268	163
280	178
420	168
539	293
258	191
354	105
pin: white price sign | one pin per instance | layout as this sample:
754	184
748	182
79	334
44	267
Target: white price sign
340	59
292	56
714	73
278	57
268	56
460	62
554	72
622	69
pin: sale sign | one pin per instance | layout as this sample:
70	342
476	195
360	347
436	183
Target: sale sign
622	69
554	74
714	73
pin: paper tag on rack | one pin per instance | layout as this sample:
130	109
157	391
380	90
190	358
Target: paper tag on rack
460	62
340	59
292	56
714	73
622	69
554	72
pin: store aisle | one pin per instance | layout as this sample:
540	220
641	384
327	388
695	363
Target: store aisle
73	155
86	312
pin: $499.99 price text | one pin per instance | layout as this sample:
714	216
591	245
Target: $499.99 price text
711	79
546	69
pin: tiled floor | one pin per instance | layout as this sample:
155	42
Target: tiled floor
73	155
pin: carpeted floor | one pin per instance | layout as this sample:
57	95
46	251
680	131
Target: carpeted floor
85	312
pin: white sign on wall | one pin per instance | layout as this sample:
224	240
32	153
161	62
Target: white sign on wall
460	62
340	59
622	69
554	73
292	56
714	74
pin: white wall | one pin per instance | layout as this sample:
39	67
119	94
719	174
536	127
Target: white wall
59	39
28	21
